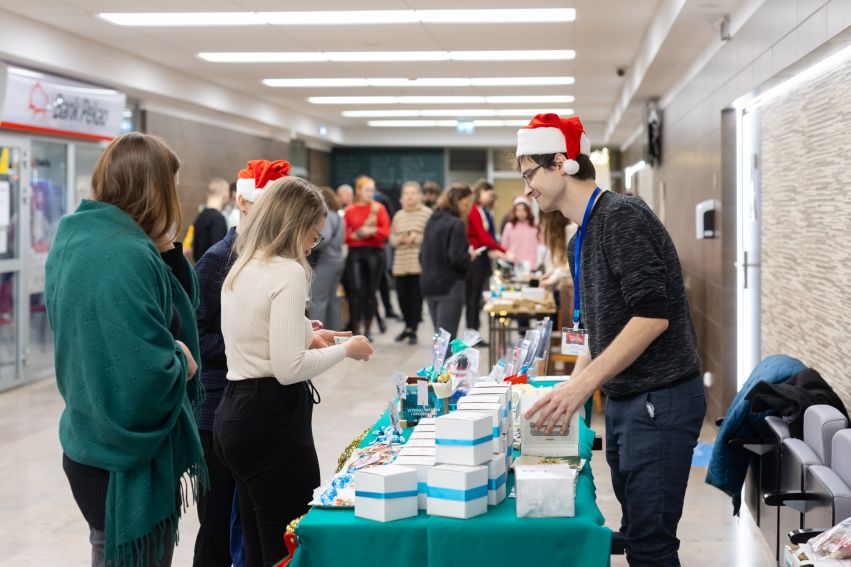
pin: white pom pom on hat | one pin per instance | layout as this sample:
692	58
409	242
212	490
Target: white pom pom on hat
552	134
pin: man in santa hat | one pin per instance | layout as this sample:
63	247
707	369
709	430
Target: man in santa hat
212	546
637	338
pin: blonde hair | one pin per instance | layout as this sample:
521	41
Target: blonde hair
136	174
278	224
217	187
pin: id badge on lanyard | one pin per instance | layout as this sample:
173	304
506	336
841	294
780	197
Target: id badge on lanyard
575	340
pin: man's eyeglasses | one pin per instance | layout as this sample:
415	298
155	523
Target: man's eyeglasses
317	241
529	174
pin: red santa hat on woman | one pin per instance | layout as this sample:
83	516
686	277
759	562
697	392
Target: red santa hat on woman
257	176
552	134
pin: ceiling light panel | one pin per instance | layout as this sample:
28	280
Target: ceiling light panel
373	56
338	17
342	100
423	82
443	123
466	113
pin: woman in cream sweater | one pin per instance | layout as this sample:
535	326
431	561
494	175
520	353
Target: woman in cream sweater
262	430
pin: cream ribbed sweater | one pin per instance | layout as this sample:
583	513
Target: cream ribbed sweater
266	333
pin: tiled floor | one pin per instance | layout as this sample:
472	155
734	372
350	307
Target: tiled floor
41	525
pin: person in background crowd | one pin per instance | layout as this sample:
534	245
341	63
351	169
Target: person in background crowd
632	309
262	429
385	283
520	236
557	232
431	193
231	210
346	195
211	225
367	229
212	547
328	262
481	232
406	236
445	257
120	300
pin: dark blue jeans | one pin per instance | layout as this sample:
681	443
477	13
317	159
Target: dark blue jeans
650	439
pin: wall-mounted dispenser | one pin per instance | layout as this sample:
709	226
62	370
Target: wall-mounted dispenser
705	218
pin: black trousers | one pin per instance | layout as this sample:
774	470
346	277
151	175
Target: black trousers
410	300
364	270
477	275
212	546
263	433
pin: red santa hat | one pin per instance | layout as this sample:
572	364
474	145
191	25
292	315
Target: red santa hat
257	176
552	134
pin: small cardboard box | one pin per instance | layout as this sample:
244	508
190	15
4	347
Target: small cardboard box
421	442
535	441
497	476
457	491
464	438
386	493
494	389
425	427
545	491
422	465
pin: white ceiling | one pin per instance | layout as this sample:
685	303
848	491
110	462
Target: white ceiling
606	34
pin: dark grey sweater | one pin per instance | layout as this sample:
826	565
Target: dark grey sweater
630	268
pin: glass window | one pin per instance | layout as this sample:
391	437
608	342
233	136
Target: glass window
85	157
47	202
8	327
10	186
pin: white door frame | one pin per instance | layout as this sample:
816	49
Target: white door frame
748	246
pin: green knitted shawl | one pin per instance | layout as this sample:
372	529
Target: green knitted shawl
128	406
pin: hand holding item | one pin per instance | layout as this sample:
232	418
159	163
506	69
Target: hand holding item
358	348
316	324
558	406
325	338
192	366
365	232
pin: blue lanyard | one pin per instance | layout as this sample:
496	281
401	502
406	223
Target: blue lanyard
577	256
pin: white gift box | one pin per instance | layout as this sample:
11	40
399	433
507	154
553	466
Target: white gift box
534	293
422	464
495	410
418	451
425	421
457	491
386	493
422	442
421	427
493	388
535	441
545	491
497	476
464	438
421	435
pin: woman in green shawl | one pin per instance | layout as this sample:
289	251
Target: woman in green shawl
120	299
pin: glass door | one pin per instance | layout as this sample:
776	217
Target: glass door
49	199
14	229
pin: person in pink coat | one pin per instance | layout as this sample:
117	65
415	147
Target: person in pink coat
520	235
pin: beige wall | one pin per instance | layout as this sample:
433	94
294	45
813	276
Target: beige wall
806	227
207	151
698	166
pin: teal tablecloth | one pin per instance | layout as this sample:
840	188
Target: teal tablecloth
498	538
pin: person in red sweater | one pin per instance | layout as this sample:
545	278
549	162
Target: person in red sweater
367	229
481	231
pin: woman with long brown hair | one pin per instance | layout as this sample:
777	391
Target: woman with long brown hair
121	301
262	430
445	257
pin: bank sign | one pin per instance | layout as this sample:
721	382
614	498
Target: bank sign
46	104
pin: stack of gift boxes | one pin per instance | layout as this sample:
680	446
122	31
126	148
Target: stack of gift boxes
454	465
